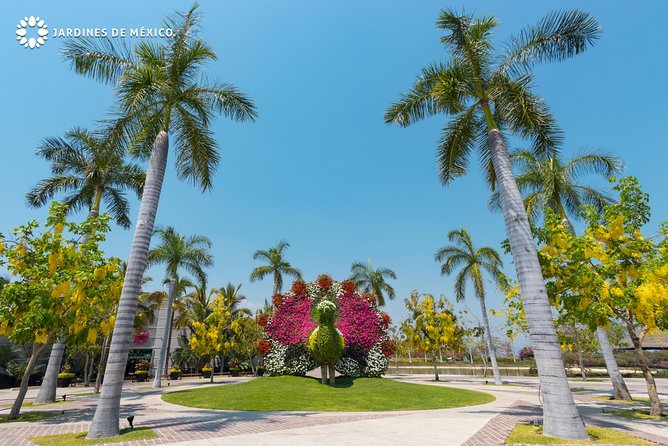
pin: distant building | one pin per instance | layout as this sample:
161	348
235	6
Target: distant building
656	341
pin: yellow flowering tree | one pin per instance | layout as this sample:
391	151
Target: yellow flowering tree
433	327
612	271
62	286
218	333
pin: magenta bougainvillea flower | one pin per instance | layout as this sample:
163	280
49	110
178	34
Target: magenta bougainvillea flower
359	322
291	322
140	337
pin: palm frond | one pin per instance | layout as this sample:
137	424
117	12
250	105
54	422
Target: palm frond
556	37
456	142
526	114
102	59
594	162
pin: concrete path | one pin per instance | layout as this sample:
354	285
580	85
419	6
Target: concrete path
177	425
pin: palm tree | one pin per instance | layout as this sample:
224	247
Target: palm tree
473	262
277	266
89	170
486	94
233	300
176	252
161	91
549	183
194	307
373	281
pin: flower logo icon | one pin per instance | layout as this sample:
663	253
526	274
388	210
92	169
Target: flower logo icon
25	25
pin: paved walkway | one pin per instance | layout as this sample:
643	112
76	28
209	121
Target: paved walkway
486	424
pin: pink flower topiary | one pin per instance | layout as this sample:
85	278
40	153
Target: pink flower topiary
359	322
291	322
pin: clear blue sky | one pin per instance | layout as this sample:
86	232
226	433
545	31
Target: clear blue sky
320	168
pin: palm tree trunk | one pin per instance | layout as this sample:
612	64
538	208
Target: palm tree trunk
157	382
91	366
86	379
18	402
47	391
619	388
276	289
106	419
490	344
560	415
169	345
102	365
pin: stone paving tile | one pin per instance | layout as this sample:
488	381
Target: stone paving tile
494	433
174	429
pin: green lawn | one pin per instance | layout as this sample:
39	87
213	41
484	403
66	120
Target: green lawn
636	414
292	393
29	416
79	438
526	434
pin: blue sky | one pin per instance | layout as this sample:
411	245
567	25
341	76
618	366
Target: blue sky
320	168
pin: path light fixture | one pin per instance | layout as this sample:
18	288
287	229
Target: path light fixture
131	420
64	397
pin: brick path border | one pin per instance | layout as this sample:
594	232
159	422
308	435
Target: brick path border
496	430
174	429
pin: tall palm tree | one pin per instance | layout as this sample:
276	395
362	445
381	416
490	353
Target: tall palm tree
473	262
486	93
277	266
175	251
549	183
160	91
86	167
373	281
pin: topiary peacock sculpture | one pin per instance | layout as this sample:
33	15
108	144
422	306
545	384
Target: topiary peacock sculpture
325	341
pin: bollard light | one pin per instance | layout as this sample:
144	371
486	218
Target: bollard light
64	397
131	420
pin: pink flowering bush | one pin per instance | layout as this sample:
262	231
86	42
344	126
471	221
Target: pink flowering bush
291	322
362	325
359	322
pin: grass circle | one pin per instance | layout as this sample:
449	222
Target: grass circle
293	393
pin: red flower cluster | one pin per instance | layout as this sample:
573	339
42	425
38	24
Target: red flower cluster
348	287
324	281
277	300
140	337
262	319
263	346
299	287
389	347
386	319
369	298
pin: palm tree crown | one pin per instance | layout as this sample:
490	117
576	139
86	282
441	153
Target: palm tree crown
277	266
160	88
549	183
482	91
176	251
473	262
85	165
233	300
373	281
